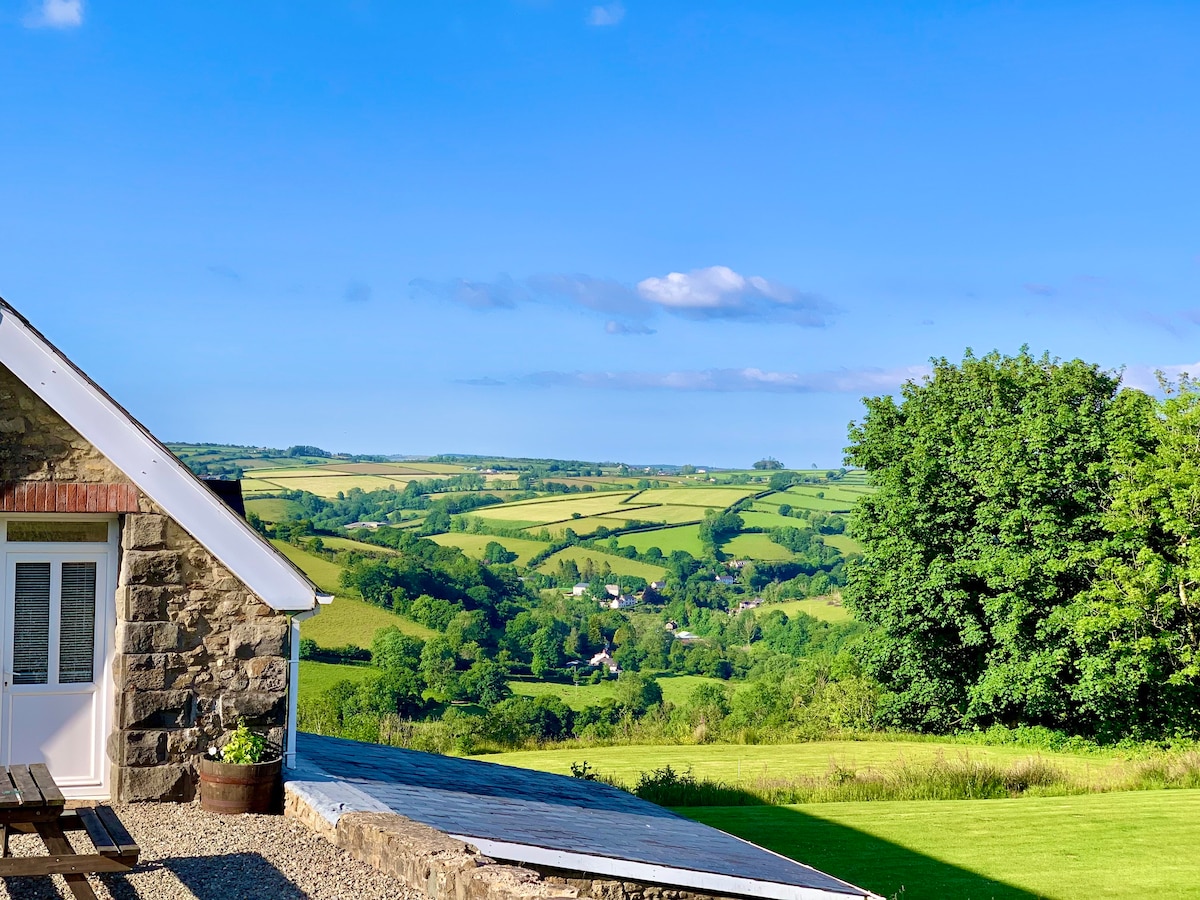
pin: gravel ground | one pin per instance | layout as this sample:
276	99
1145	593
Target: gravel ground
189	854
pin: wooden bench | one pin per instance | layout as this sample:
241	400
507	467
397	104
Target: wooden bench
30	802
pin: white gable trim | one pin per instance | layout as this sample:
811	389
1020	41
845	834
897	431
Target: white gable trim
152	467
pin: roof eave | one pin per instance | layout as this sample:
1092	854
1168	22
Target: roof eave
156	471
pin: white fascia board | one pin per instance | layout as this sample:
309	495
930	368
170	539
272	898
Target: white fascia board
709	882
153	468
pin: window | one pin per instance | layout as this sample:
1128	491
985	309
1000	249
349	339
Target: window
54	607
77	623
31	623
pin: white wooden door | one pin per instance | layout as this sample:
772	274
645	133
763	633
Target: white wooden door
53	701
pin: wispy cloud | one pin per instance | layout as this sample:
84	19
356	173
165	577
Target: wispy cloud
718	292
842	381
357	292
224	272
606	15
715	292
486	381
1145	378
501	294
614	327
56	14
1040	290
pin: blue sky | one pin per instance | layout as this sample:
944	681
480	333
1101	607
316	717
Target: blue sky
646	231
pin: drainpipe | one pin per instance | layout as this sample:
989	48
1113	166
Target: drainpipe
289	756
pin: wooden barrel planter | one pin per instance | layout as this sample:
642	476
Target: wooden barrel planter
230	788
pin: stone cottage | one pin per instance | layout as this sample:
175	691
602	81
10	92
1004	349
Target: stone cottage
141	616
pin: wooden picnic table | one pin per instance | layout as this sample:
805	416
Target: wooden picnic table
30	802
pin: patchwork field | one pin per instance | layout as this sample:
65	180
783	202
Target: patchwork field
341	543
272	509
618	564
755	546
769	518
474	544
564	508
681	537
317	677
348	620
843	542
1121	845
827	609
325	574
717	497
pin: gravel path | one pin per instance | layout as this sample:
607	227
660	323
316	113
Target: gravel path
189	854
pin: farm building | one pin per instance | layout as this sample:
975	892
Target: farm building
622	601
142	616
604	659
580	589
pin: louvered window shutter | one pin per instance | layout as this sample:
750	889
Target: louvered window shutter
31	625
77	628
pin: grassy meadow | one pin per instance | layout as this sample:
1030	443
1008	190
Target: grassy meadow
755	765
755	546
680	537
1120	845
318	677
619	564
474	544
827	609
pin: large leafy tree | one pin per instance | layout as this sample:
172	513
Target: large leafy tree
1138	629
986	528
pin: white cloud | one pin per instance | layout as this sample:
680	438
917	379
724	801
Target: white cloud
842	381
606	15
720	292
1145	378
716	292
56	14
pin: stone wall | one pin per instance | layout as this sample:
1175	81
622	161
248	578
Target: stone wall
195	648
196	651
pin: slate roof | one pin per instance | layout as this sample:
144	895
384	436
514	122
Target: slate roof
497	806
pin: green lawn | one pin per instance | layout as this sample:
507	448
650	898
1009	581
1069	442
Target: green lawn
755	546
316	677
618	564
817	607
752	763
681	537
474	544
1127	845
348	620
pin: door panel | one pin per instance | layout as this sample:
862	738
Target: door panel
52	654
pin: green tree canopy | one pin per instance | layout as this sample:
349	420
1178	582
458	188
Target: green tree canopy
984	532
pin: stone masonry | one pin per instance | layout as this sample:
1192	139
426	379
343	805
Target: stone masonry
196	650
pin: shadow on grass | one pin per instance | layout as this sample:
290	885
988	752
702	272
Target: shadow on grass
855	856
